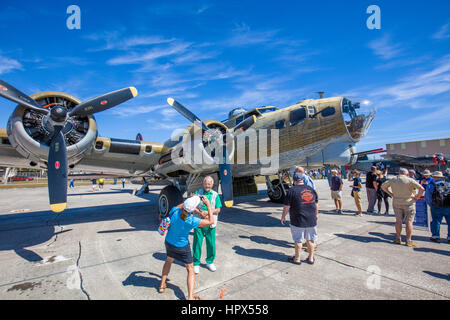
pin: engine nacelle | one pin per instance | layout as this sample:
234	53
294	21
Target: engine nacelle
30	134
194	150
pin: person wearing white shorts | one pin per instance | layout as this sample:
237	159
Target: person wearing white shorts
303	234
301	203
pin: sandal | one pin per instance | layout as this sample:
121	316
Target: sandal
310	262
292	259
162	289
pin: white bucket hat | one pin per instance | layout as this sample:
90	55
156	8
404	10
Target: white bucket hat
191	203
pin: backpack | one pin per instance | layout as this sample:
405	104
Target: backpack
441	195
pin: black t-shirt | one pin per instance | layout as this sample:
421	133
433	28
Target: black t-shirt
370	178
302	200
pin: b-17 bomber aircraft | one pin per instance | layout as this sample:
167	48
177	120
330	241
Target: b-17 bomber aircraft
58	132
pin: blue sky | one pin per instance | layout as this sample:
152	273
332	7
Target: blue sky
214	56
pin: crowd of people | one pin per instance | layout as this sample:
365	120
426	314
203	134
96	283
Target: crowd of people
199	213
405	189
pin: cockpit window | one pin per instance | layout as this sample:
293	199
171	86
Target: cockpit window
297	116
357	124
236	111
266	110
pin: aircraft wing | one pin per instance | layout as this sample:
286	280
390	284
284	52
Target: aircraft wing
408	160
107	156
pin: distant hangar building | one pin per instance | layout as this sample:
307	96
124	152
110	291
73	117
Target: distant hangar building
420	148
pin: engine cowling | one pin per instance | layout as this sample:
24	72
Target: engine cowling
194	150
29	132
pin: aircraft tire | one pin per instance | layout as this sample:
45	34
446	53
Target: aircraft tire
169	197
278	195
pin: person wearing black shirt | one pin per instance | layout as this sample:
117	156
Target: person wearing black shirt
371	189
301	203
381	195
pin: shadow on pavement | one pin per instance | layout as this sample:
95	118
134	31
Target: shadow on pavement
360	238
138	280
437	251
20	231
264	240
261	254
438	275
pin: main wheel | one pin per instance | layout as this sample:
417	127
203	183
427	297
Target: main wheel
277	195
169	197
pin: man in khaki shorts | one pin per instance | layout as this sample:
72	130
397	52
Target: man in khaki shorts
404	203
336	190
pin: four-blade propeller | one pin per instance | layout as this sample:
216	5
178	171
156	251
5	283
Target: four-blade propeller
226	178
58	115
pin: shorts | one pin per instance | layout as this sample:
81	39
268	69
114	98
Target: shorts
336	195
183	254
405	212
302	234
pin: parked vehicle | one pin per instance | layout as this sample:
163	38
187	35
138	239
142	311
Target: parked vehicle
18	178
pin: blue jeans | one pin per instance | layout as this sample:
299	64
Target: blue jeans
437	214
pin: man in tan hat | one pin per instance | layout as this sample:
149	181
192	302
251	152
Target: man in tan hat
427	180
404	203
438	212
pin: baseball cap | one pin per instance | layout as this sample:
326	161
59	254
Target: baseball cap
191	203
298	176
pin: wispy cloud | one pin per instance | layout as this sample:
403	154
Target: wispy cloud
149	55
133	111
244	36
443	33
385	48
113	40
420	85
8	65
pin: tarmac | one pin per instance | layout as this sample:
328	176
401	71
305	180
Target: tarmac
106	246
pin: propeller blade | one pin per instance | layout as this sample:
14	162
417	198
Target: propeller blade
244	125
7	91
104	102
226	179
57	171
188	114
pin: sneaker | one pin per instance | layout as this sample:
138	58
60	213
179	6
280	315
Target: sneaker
411	244
437	240
339	211
211	267
196	269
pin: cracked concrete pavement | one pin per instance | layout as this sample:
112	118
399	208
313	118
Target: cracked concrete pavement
106	246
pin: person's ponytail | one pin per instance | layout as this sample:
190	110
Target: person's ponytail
184	215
